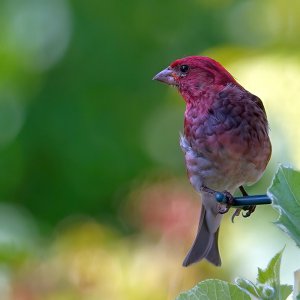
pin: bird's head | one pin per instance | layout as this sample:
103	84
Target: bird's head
195	74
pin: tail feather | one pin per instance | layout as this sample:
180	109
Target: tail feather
213	255
205	244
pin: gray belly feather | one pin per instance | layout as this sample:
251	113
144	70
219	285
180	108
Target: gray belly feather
204	171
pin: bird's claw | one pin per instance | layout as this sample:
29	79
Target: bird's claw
249	210
223	209
235	214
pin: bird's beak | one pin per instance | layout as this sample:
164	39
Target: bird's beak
166	76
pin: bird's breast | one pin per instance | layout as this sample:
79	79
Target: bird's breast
225	151
207	168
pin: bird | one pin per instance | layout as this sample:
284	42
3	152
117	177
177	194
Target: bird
225	142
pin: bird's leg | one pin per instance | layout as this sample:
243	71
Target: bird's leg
251	208
238	210
222	209
207	190
243	191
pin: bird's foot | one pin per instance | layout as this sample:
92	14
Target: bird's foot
249	210
227	199
223	209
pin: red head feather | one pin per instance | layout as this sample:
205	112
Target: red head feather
198	79
210	69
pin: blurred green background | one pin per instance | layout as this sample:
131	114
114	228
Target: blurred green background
95	203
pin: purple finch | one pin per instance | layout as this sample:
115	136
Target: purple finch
225	141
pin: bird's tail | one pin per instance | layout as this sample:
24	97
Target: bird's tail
206	241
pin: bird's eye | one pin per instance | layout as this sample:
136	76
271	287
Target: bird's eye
184	68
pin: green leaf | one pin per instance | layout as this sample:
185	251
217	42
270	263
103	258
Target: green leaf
248	287
270	278
267	287
285	290
271	275
268	282
213	289
285	193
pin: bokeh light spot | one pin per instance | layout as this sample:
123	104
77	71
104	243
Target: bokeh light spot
41	29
